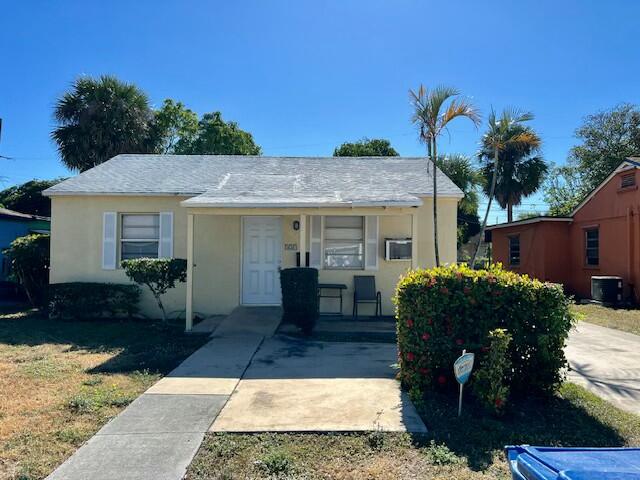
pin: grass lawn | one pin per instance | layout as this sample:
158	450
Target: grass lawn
624	319
60	381
456	449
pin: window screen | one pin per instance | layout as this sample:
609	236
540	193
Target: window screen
139	236
344	242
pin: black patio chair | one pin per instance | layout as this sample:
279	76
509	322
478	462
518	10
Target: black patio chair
364	291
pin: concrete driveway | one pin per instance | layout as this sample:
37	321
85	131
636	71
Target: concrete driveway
606	362
300	385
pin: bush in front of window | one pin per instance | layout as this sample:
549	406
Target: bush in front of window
29	257
83	300
158	274
300	297
444	310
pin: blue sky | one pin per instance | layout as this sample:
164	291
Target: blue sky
305	76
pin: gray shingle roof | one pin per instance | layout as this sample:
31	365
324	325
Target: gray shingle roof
227	180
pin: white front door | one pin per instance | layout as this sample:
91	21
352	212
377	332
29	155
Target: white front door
261	259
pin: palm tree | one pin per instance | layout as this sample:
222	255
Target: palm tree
503	134
520	172
432	112
467	178
100	118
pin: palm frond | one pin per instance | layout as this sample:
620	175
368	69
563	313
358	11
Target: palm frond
526	139
460	108
511	115
436	99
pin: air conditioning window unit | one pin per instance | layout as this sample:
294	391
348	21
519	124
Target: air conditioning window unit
397	249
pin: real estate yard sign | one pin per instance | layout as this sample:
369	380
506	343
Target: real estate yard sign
462	369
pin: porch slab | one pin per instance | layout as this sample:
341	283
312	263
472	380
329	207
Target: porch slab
283	357
319	405
297	385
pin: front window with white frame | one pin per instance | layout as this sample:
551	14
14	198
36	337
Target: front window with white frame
139	235
344	242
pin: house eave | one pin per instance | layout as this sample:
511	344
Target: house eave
119	194
529	221
240	205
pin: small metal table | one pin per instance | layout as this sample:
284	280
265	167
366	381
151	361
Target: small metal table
331	286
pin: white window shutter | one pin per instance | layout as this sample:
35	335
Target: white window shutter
371	242
109	243
165	249
315	245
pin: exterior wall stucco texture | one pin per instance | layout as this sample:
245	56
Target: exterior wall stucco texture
76	246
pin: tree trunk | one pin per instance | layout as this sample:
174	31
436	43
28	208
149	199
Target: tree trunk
486	215
164	313
509	211
435	202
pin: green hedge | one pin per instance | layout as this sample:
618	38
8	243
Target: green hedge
29	256
300	297
93	300
444	310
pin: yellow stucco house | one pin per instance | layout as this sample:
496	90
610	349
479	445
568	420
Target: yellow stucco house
238	219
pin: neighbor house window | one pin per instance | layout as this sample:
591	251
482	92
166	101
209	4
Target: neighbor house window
139	235
514	250
628	180
344	242
592	246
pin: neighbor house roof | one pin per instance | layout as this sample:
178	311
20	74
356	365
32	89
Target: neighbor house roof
254	181
6	213
629	164
525	221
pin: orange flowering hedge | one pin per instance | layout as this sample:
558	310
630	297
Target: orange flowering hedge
444	310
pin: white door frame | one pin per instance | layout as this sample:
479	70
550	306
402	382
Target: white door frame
242	221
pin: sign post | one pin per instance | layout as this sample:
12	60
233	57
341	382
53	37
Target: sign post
462	369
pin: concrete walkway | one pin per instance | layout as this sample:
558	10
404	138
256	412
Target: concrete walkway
157	436
606	362
287	384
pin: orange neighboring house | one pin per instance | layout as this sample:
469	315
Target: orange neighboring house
600	237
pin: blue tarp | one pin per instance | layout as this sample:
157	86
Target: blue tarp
546	463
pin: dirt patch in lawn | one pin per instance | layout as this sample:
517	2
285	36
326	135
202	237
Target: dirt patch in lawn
625	319
60	381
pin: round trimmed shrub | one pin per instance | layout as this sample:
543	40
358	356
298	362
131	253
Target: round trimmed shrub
444	310
158	274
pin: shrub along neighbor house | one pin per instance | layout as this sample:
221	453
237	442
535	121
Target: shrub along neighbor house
601	237
239	219
13	225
